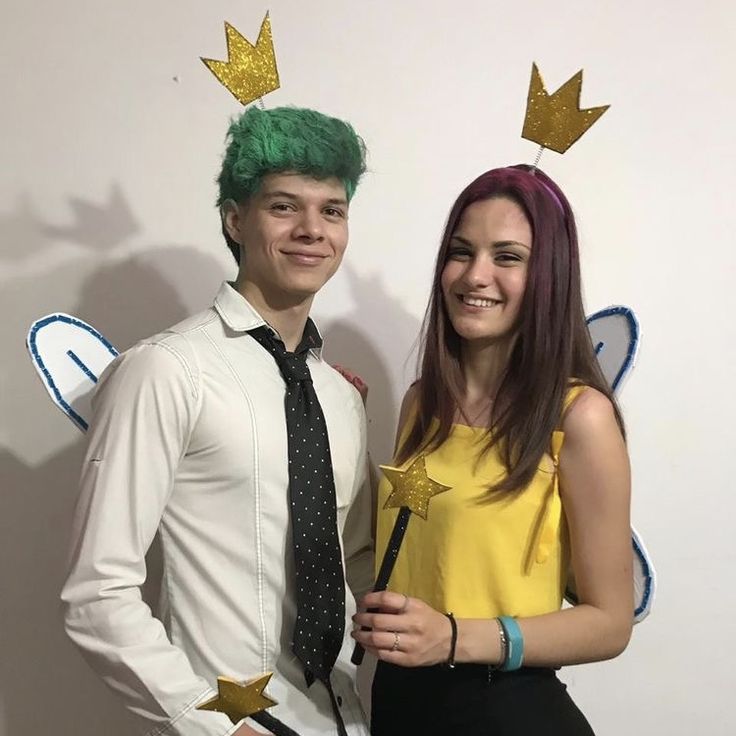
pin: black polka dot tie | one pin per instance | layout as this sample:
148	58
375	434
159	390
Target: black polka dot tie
319	579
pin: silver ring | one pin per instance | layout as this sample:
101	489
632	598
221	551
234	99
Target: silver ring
395	647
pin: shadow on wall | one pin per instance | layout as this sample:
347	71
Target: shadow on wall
43	680
98	228
376	340
131	299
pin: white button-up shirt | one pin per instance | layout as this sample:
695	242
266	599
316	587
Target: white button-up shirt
188	439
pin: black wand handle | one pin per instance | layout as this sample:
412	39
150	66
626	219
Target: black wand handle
387	567
274	725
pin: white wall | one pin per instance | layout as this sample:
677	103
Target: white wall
110	136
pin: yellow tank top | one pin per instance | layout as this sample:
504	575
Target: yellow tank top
480	555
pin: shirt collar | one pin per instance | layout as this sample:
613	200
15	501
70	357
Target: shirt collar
240	316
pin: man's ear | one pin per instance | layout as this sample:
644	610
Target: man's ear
231	220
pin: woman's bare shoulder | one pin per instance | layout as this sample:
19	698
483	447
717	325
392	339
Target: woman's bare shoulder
590	411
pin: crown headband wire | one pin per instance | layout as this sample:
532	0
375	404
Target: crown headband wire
536	160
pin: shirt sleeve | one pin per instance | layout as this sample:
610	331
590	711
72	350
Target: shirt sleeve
144	409
358	532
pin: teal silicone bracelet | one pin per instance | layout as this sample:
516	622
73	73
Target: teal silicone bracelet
514	644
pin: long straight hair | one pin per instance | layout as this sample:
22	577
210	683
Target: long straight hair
552	349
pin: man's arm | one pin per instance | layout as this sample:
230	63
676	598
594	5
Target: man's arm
145	406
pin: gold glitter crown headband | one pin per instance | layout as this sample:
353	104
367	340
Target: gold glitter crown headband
556	120
250	71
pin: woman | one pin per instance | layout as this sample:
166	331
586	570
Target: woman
512	413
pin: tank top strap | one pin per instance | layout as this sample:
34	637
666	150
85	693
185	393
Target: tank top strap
572	393
550	513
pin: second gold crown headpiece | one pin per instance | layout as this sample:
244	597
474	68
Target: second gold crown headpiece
556	120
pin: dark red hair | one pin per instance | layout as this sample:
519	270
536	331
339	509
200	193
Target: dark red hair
552	349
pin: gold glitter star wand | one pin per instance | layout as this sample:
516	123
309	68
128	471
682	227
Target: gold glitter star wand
240	700
412	491
556	120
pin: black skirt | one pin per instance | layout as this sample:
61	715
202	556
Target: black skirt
472	700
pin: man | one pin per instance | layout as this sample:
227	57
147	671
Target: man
231	437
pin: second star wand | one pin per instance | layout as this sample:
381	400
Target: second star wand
412	491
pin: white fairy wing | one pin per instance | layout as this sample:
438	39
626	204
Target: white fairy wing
615	334
69	356
645	578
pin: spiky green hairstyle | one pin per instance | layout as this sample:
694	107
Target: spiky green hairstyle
262	142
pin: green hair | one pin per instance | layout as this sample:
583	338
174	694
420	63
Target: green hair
262	142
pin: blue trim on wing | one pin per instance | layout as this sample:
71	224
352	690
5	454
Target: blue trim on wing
633	342
82	366
36	327
646	598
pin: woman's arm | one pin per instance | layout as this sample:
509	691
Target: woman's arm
595	488
595	485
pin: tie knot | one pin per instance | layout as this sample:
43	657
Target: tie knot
294	367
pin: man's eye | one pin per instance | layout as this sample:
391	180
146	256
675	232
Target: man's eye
282	207
334	212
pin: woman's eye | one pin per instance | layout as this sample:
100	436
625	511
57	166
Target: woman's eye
458	254
508	258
